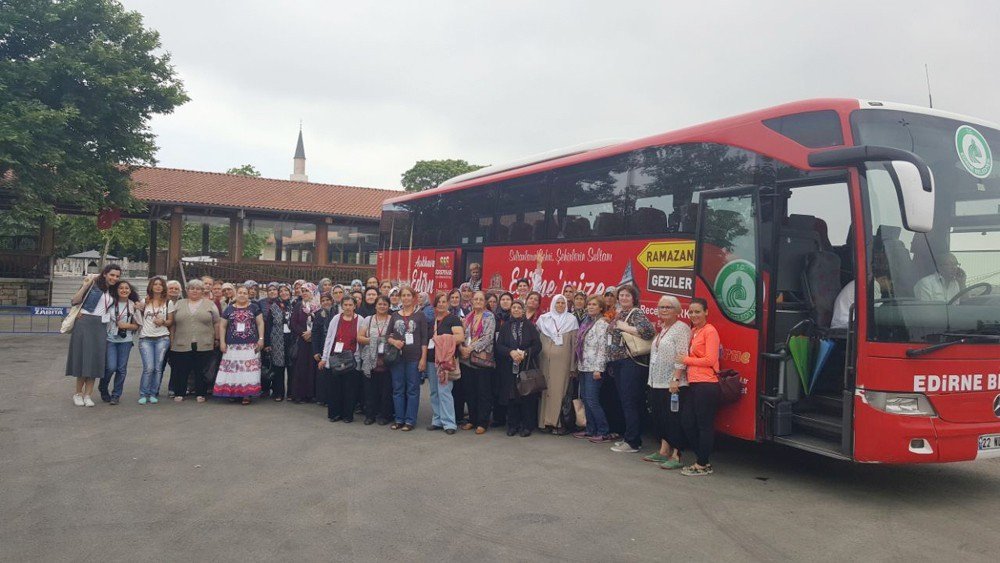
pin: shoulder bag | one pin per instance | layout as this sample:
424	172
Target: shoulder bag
730	385
634	344
70	320
343	362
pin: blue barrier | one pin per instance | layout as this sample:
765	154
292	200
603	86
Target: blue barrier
31	320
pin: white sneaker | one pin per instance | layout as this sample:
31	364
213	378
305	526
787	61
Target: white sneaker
78	399
624	448
87	401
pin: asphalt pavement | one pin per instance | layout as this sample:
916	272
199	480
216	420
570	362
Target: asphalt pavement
269	481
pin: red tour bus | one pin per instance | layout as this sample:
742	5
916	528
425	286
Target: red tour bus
849	251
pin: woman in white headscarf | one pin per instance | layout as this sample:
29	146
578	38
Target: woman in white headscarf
557	361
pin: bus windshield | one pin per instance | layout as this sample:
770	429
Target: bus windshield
943	285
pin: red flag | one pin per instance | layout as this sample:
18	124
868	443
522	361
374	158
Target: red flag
107	218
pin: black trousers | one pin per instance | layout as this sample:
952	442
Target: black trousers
212	368
189	364
698	416
458	394
343	394
378	395
522	413
667	425
281	378
479	394
265	374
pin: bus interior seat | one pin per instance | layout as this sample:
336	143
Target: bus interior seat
521	232
577	227
923	257
798	240
609	224
684	218
543	233
821	282
897	257
502	232
648	220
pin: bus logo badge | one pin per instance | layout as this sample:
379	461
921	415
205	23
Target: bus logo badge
735	289
996	406
973	151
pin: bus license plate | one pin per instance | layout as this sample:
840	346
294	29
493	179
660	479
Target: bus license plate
989	442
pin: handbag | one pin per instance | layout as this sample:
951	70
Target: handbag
482	360
343	363
530	381
635	345
731	386
567	414
581	413
70	320
392	355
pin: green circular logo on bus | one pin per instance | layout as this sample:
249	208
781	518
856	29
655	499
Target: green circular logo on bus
735	290
973	151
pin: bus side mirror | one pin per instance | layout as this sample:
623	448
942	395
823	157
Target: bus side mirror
917	205
912	177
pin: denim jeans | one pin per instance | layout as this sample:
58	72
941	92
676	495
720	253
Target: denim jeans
405	391
442	402
117	364
630	378
590	394
152	351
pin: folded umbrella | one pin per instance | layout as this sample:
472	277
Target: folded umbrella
826	346
799	346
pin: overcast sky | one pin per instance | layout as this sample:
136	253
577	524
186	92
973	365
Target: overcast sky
380	85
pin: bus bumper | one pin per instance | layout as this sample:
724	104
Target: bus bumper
889	438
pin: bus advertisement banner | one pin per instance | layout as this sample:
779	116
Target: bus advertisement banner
415	267
661	267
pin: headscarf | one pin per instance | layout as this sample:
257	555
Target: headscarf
503	315
250	283
422	300
586	324
310	304
357	283
465	305
552	323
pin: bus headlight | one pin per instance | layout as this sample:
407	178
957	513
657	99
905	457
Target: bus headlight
907	404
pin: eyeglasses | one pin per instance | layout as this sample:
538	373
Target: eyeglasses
664	307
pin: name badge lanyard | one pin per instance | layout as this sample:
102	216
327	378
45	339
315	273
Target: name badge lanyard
380	347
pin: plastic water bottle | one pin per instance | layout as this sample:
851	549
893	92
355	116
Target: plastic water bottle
675	402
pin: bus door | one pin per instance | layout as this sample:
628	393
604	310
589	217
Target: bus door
807	235
727	259
470	256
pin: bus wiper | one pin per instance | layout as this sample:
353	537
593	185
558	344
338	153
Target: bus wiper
962	339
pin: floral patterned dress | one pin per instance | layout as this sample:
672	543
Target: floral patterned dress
239	370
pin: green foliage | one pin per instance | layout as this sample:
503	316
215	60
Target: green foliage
79	82
127	238
245	170
253	244
427	174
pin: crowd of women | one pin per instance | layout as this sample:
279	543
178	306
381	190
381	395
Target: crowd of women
366	348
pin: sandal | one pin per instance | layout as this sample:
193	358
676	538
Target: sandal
695	471
246	401
278	399
407	427
395	426
467	426
671	464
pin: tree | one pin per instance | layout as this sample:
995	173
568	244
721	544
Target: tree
245	170
128	237
427	174
79	82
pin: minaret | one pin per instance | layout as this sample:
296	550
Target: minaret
299	161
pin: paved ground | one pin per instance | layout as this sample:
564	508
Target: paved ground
277	481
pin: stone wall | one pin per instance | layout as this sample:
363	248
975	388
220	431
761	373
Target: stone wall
22	292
